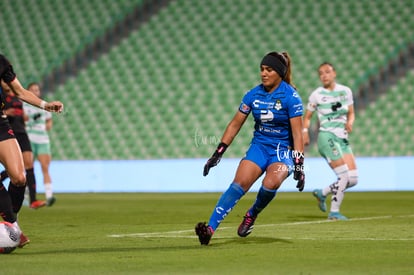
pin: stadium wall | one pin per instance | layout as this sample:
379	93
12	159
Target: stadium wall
185	175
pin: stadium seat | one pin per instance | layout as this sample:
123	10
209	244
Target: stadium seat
189	65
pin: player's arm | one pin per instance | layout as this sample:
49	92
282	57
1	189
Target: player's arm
49	124
230	133
297	126
350	118
306	124
298	157
32	99
233	128
25	117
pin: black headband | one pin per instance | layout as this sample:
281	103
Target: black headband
276	64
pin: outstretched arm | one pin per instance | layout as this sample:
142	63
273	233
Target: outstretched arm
230	133
306	125
27	96
233	128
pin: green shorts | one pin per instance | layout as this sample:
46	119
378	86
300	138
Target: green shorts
40	149
332	147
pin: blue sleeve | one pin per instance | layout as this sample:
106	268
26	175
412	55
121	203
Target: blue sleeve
295	105
246	104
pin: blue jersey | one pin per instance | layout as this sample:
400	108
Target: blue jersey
271	113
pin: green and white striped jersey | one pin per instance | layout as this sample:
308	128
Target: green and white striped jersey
332	107
36	125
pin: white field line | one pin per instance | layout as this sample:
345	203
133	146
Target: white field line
182	233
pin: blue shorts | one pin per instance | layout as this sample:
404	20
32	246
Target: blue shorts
263	156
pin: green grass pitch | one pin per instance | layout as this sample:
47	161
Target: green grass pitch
148	233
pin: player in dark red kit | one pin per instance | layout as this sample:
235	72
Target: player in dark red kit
13	109
11	199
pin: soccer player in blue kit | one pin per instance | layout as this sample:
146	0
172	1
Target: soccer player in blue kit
276	148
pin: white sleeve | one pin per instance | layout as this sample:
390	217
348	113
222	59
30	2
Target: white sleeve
312	102
350	99
48	115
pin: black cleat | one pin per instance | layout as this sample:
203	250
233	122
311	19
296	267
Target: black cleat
246	227
204	233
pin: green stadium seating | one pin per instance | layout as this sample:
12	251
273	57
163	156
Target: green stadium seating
187	68
386	121
39	36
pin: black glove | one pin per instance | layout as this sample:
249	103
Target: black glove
299	173
215	158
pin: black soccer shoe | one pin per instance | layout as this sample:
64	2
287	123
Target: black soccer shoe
204	233
246	227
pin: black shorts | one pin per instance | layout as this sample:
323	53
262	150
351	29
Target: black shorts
24	142
5	129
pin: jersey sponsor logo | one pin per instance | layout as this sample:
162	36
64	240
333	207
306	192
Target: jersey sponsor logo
268	130
266	115
335	106
257	103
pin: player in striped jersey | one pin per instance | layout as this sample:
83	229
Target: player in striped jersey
334	104
38	123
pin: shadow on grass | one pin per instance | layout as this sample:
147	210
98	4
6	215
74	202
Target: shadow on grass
218	242
248	240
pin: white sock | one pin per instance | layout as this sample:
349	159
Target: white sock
15	224
339	187
48	190
353	178
327	190
352	181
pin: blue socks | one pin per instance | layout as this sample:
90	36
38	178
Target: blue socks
230	198
264	196
225	204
